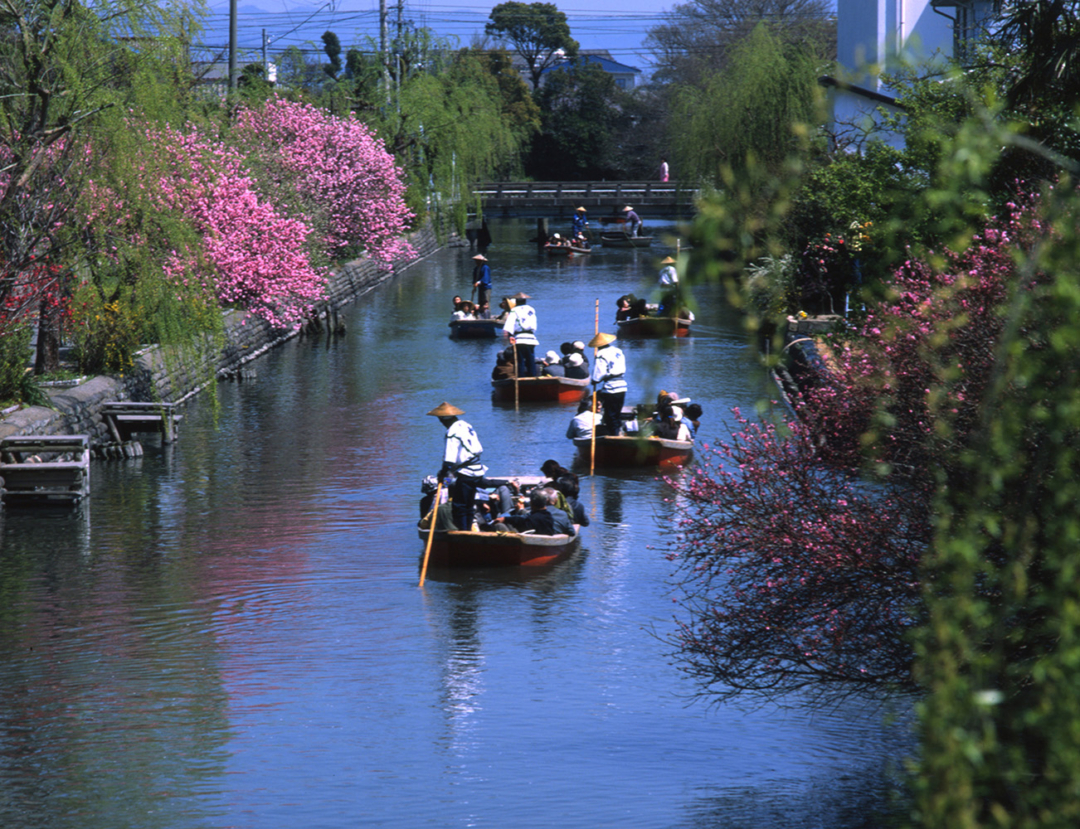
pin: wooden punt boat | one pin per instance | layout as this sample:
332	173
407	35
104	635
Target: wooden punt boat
621	239
639	327
475	329
540	389
456	548
632	450
564	250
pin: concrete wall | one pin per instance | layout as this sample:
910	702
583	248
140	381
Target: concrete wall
876	36
76	410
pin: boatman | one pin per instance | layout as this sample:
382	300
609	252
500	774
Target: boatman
608	378
669	287
580	222
462	460
669	276
520	327
482	279
633	221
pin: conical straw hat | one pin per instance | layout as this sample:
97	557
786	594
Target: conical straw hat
600	340
444	409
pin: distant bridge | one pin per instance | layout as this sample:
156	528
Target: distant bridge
559	199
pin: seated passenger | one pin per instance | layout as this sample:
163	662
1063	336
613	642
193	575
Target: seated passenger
465	311
551	365
581	427
504	365
570	487
542	519
483	311
574	367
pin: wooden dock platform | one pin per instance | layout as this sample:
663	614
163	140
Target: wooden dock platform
125	418
45	468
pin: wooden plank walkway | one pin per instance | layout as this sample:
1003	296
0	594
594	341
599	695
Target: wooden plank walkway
45	468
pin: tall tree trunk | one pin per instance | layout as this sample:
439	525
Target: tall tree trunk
48	338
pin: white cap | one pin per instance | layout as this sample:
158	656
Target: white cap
575	359
551	357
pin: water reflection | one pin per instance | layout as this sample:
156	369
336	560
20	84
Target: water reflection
229	631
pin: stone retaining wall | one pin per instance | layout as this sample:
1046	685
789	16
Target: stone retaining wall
77	410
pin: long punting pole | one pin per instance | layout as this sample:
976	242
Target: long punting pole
431	535
592	452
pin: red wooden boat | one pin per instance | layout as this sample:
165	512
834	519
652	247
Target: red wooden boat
455	548
632	450
640	327
540	389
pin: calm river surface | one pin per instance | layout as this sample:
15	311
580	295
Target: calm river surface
229	633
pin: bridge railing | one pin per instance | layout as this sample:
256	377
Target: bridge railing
560	198
584	189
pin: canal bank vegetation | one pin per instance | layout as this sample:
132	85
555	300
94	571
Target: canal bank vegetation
914	530
135	209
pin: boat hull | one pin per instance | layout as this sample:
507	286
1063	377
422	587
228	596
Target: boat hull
474	329
611	239
539	390
565	250
653	327
469	549
628	450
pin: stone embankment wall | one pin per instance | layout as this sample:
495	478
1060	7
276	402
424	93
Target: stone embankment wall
177	378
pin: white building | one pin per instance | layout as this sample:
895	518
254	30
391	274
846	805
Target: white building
876	37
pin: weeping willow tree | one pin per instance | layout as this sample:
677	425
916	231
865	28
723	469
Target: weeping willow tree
64	65
752	113
453	118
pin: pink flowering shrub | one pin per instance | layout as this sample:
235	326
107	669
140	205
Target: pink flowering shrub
259	257
927	351
338	167
794	575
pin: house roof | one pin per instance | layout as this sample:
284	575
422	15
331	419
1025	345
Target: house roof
603	59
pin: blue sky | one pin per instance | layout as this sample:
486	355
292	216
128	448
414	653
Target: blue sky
617	26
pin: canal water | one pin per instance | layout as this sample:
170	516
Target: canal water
230	633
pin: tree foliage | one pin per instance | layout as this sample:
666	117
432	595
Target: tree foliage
793	576
584	118
62	64
697	39
760	107
538	31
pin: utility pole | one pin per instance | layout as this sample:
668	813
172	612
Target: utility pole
383	51
233	77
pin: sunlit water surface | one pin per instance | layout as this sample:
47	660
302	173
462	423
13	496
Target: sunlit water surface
229	633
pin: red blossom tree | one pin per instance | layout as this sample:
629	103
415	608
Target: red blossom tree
795	573
794	576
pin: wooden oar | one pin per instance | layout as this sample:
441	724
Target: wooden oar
431	534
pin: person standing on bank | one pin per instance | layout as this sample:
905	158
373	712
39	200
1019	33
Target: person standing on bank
461	459
482	279
608	377
664	172
633	221
520	327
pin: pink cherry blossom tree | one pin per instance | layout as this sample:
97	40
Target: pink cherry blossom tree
258	257
346	180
